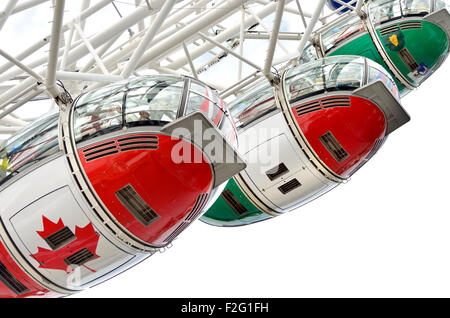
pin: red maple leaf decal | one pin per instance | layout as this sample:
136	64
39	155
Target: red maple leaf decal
50	227
86	238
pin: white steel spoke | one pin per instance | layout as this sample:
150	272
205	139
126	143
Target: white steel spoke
191	64
156	24
273	39
4	15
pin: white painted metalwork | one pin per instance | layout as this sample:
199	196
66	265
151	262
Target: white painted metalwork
95	42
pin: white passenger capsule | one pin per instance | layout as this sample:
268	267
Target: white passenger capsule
130	169
306	135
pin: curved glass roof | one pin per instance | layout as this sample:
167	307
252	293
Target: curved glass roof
254	104
337	73
29	146
153	100
382	11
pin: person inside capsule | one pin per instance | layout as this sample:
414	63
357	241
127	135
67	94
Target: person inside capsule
143	115
333	115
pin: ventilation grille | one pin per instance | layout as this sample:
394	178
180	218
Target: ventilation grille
11	282
80	257
110	147
198	207
388	30
177	231
411	25
100	150
333	146
308	108
408	59
195	212
376	147
60	238
233	202
324	103
277	171
336	102
138	143
136	205
289	186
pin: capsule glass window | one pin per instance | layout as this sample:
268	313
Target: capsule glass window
309	54
342	73
441	4
377	72
344	30
382	11
253	105
99	94
344	76
201	103
35	142
229	130
204	91
415	7
102	115
154	103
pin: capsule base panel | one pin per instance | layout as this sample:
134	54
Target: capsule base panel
233	208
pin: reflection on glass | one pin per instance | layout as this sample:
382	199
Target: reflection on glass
309	54
305	83
204	99
100	93
99	116
157	102
149	100
228	129
416	7
330	74
344	76
34	143
377	72
442	4
253	104
204	90
341	32
382	11
338	73
197	102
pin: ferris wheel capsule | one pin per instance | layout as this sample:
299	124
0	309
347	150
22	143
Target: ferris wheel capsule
90	192
410	38
307	135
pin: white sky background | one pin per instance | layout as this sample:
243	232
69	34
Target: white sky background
386	233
